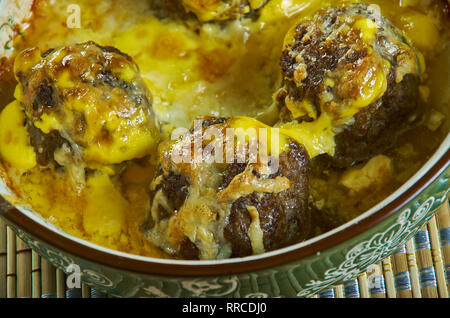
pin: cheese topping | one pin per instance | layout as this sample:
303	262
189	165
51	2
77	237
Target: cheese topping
368	29
15	146
247	182
255	232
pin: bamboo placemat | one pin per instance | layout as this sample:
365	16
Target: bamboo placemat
419	269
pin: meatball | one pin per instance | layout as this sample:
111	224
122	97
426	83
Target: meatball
85	104
208	208
351	64
207	10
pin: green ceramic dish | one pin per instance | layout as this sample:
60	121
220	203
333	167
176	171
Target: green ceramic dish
302	270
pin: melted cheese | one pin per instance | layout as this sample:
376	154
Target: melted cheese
15	146
255	233
104	215
271	140
316	136
116	128
247	182
368	29
182	67
368	177
207	10
373	84
421	28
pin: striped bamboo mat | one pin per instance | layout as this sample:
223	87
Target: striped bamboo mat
419	269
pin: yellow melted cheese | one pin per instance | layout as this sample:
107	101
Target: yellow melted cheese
105	207
128	136
368	29
317	137
15	146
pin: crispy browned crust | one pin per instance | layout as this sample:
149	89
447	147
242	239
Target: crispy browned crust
176	188
209	10
284	216
377	126
317	53
43	96
202	10
45	145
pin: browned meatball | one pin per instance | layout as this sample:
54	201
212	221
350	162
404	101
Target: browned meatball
377	126
212	210
85	104
352	64
207	10
204	10
284	216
